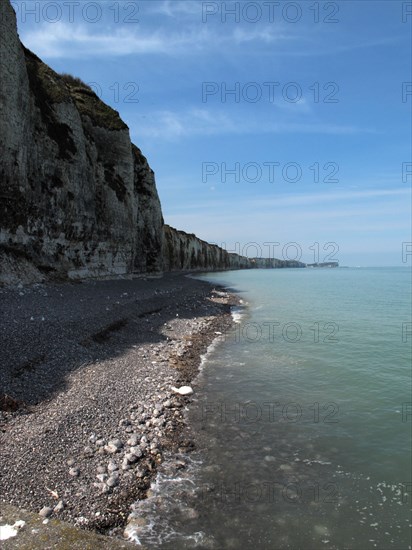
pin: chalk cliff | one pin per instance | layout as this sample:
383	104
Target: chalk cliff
77	198
183	252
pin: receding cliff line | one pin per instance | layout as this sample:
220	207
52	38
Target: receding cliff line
185	252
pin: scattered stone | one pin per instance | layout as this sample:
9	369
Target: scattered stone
112	466
112	481
113	446
102	487
131	458
124	422
133	440
46	511
140	473
137	451
75	472
59	507
102	477
71	462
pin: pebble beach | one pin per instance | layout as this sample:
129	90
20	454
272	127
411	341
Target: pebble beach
88	393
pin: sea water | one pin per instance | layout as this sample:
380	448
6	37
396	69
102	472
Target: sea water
302	418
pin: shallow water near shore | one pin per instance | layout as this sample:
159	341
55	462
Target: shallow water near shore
302	420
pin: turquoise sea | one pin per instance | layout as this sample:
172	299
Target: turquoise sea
302	418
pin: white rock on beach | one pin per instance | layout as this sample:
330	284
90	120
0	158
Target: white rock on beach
183	390
113	446
8	531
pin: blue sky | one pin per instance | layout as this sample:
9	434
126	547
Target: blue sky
265	122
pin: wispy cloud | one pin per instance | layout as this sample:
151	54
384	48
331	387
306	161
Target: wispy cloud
65	40
177	8
348	218
325	199
315	49
170	125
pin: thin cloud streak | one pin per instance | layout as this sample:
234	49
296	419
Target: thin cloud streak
170	125
176	8
281	201
64	40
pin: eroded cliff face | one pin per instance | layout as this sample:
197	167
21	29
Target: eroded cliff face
186	252
77	199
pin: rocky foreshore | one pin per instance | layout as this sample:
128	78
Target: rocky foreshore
87	408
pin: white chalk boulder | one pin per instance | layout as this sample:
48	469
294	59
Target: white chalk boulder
183	390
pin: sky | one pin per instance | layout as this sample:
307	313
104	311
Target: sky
274	128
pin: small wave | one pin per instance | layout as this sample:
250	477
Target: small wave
210	348
171	501
321	462
237	314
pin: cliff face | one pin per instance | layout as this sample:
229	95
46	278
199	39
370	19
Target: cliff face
274	263
186	252
76	197
183	251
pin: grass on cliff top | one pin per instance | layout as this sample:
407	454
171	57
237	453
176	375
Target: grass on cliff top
56	88
44	80
74	81
88	103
